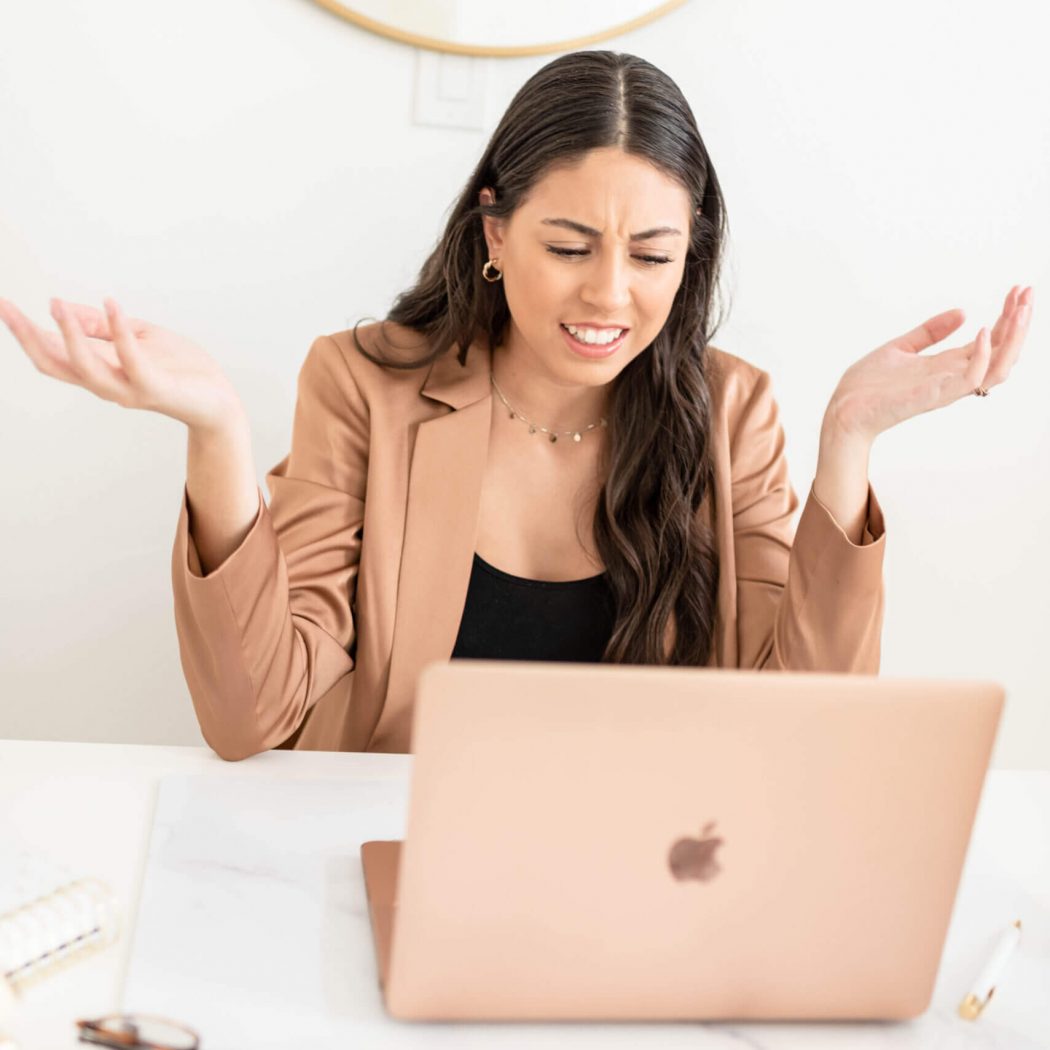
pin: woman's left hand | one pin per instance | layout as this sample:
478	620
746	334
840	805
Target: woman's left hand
895	382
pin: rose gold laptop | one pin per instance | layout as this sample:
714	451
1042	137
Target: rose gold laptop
598	842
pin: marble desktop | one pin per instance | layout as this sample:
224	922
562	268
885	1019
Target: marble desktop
253	928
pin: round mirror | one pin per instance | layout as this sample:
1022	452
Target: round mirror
481	27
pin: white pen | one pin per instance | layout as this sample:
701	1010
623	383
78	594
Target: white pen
983	988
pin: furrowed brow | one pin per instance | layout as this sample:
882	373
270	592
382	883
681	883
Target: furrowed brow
578	227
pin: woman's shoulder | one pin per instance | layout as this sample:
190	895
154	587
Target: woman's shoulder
362	351
732	379
386	341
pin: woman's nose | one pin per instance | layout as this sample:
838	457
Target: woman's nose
608	286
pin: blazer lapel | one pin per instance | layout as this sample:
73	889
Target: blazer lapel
441	522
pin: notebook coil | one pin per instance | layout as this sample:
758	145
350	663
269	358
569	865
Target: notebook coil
42	935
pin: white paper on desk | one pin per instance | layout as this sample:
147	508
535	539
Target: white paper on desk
253	922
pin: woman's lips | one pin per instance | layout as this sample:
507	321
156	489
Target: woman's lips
595	349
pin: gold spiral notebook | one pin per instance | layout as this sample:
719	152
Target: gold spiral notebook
49	915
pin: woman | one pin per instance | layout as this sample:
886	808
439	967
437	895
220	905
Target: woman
538	455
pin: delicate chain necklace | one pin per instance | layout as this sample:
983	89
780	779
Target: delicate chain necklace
533	427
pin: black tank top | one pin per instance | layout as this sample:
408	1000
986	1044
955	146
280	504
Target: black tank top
512	618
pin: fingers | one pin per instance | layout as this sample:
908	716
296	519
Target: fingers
72	358
96	375
931	331
127	347
994	352
978	367
92	321
42	348
1004	341
95	322
1009	308
1008	347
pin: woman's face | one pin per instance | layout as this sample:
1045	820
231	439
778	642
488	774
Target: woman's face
571	255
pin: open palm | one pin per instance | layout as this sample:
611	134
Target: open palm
895	382
126	360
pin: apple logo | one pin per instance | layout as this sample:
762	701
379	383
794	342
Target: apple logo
695	858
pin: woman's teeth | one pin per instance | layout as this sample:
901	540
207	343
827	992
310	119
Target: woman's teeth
595	336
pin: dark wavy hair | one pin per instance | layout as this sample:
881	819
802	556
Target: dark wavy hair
656	466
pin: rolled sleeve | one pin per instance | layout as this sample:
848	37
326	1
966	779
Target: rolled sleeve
808	599
270	630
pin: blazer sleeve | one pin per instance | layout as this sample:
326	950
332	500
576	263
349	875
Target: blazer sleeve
270	630
812	602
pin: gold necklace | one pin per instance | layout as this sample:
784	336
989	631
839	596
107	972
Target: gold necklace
577	435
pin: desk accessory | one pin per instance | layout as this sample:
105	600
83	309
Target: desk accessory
984	986
48	918
137	1032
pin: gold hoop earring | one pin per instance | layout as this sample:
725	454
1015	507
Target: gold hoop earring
485	272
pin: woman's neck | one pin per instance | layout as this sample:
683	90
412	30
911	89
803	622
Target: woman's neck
542	398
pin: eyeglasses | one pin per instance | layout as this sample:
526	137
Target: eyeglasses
138	1032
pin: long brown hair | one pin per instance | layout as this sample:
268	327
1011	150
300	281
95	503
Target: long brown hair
656	468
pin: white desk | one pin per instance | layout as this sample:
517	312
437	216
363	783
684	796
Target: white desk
91	806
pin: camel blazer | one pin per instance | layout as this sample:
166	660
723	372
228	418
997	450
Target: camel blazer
311	634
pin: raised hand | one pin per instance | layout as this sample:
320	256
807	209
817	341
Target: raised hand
128	361
894	382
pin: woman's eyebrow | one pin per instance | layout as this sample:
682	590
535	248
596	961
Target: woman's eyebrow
656	231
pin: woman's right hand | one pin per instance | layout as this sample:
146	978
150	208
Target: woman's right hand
129	361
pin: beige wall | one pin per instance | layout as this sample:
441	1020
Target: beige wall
249	174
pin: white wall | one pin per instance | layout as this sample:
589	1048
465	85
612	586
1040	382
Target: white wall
248	173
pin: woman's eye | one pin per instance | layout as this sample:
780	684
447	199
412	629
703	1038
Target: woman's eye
652	260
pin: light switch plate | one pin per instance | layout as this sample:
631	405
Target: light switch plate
450	90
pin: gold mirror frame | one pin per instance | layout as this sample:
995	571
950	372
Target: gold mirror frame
434	44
